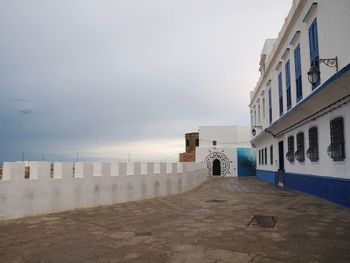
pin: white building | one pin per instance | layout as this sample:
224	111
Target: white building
302	130
225	150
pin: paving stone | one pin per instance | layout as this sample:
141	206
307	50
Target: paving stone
186	228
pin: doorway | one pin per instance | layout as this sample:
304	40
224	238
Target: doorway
216	167
280	173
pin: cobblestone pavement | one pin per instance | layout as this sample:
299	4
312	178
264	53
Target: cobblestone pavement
207	224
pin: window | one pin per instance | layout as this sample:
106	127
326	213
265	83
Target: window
271	155
270	106
297	61
265	155
214	143
254	117
262	156
290	153
259	120
313	43
280	93
337	148
288	86
259	157
300	153
263	106
187	143
312	152
197	142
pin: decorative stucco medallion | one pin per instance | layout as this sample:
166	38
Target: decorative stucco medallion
224	161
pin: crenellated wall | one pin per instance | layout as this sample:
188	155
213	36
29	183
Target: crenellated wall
82	184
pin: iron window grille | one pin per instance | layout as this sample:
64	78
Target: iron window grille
312	152
336	150
300	153
290	153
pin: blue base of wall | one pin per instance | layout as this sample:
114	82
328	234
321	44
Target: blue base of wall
333	189
268	176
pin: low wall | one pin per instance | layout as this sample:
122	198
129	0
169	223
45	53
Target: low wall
81	185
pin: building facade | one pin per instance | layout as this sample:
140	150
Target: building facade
300	110
191	142
226	151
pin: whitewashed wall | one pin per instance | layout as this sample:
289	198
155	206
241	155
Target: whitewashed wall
91	184
232	136
325	166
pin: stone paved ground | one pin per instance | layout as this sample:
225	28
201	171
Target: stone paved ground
187	228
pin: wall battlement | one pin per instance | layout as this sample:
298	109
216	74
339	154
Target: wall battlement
82	184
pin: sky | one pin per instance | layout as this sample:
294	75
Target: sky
109	79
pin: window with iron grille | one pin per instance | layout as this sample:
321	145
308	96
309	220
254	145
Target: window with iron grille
265	155
337	148
300	153
271	155
312	152
290	153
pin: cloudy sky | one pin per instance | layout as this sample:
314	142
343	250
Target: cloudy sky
106	78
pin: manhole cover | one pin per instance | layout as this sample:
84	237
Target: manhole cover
216	201
263	221
143	234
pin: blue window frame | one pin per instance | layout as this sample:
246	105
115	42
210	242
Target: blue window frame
313	43
270	106
288	85
280	93
298	76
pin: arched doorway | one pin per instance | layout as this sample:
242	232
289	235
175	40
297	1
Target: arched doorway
216	167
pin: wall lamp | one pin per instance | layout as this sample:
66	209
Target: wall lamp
314	72
254	131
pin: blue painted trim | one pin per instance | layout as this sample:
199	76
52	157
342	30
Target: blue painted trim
268	176
316	90
331	188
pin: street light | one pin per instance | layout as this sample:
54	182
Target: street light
314	72
254	131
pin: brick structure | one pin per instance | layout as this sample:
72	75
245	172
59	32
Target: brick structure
192	141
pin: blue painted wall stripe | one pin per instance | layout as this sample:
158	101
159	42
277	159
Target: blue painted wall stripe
333	189
268	176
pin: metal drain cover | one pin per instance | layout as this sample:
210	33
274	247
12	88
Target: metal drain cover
216	201
263	221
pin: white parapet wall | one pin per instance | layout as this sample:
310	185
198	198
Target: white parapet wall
83	185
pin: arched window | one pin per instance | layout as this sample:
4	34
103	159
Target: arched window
300	153
312	152
290	153
337	148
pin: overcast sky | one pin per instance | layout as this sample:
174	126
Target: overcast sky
107	77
